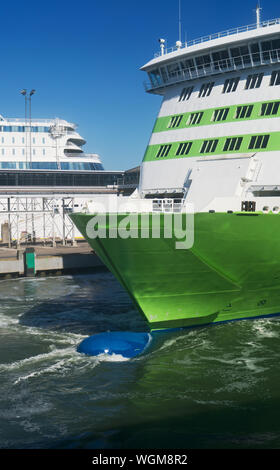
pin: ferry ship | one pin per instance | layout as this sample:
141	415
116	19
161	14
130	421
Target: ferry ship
215	146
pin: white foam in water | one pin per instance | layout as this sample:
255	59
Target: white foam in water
35	359
63	365
7	321
263	328
112	358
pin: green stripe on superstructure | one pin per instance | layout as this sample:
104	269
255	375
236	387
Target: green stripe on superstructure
162	123
273	144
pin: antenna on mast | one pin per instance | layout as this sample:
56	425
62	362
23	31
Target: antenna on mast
179	42
180	23
258	14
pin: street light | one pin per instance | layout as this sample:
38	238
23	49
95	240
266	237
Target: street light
27	98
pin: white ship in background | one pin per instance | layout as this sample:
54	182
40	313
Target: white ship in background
43	144
44	175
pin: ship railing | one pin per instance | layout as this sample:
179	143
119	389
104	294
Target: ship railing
83	155
250	60
136	205
37	120
167	205
222	34
23	120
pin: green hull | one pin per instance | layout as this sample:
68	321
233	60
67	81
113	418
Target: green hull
231	272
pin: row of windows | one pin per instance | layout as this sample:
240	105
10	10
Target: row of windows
22	140
24	128
210	145
230	85
16	151
82	166
220	61
221	114
10	178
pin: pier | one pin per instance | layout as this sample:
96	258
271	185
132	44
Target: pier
39	260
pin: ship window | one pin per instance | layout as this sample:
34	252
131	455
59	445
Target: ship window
42	165
163	151
254	81
244	111
220	114
233	143
174	70
240	55
8	165
275	78
163	74
195	118
209	146
230	85
186	93
155	77
203	61
270	49
258	141
175	121
255	52
187	64
184	148
206	89
268	109
220	59
96	166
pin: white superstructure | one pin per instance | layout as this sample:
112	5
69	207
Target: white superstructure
216	140
43	144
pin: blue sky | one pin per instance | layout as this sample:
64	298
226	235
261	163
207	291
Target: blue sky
83	59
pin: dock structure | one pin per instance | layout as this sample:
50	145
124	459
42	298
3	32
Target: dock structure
37	236
36	260
31	214
29	218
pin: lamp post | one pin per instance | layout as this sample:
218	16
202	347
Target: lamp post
27	99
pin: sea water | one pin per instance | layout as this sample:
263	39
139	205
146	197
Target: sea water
211	387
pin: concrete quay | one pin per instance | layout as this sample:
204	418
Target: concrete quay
38	260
